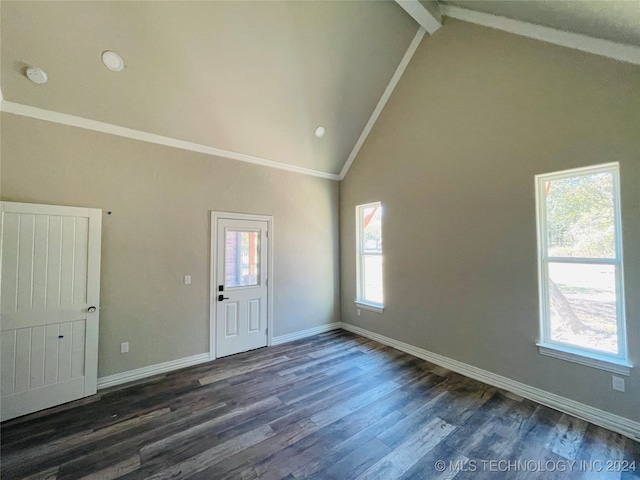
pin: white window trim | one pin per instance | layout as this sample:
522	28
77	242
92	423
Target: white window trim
369	306
594	360
360	301
610	362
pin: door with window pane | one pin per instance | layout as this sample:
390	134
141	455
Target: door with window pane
241	290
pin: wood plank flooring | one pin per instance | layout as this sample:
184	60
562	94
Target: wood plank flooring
333	406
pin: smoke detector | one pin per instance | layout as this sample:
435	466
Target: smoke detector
320	131
112	61
37	75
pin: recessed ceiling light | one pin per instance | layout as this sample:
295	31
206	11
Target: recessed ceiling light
320	131
112	61
37	75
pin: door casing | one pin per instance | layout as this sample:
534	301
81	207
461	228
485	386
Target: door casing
213	281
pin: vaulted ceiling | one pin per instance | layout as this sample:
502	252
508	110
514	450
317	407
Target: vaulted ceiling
254	78
618	21
249	77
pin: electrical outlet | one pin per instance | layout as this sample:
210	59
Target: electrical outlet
124	347
187	279
358	311
618	383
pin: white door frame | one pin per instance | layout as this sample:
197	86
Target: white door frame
213	281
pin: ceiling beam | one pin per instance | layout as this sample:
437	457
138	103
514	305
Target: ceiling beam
425	12
383	99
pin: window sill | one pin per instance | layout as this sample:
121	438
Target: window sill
613	365
369	306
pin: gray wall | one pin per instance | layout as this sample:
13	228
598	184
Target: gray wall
452	158
159	231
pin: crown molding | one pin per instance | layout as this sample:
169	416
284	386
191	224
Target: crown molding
383	100
605	48
97	126
584	43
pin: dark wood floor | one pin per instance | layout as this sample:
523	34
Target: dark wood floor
331	406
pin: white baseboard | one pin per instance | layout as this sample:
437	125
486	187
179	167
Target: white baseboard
290	337
144	372
594	415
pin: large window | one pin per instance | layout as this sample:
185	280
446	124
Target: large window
369	256
580	267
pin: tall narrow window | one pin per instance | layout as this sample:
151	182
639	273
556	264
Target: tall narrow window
369	256
580	267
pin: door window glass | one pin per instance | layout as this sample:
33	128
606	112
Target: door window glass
242	258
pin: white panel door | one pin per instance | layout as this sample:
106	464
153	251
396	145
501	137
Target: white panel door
49	303
241	285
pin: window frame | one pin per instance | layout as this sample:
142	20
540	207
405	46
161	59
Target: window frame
360	301
617	363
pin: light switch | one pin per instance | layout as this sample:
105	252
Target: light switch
187	279
618	383
124	347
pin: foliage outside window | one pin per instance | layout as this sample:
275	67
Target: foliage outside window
369	255
580	262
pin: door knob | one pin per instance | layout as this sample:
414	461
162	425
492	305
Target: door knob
91	309
222	297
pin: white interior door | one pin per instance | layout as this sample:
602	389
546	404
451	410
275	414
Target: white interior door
49	303
241	285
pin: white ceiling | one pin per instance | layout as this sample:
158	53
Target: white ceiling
249	77
615	20
255	78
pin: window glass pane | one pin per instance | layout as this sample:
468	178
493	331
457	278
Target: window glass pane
242	259
583	305
580	216
372	229
372	270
